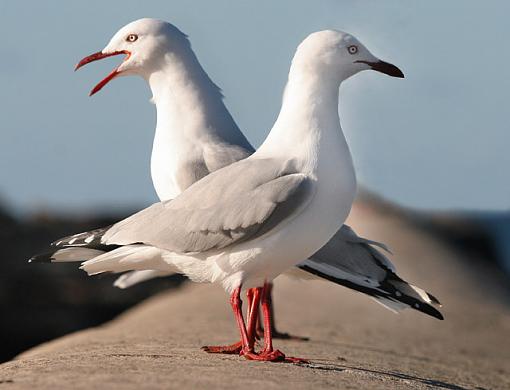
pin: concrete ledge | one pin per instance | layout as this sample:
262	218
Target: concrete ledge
355	343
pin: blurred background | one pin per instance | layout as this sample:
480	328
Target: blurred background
434	145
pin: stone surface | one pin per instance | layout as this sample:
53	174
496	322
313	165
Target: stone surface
40	302
355	343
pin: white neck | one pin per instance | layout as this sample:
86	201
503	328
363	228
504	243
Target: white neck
191	119
188	103
308	119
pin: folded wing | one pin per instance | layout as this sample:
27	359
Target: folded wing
356	263
233	204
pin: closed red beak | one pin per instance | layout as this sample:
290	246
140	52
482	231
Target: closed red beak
98	56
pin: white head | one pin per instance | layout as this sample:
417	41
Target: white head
338	55
145	43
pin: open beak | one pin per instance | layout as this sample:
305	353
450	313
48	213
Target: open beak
385	67
98	56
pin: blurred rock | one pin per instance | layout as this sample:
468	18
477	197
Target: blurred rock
485	234
40	302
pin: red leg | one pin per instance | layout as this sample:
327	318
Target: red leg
268	353
276	333
237	305
259	329
253	295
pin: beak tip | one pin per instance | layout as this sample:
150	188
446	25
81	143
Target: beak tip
79	65
389	69
95	90
385	67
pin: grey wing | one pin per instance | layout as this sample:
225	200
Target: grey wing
354	262
190	172
355	256
221	154
215	156
233	204
347	234
350	235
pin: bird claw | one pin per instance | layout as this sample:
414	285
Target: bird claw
233	349
296	360
275	356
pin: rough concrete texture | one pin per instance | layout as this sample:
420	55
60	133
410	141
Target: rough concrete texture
355	343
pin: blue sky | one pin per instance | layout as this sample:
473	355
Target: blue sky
437	139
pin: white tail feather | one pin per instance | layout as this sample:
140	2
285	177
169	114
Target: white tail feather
126	258
129	279
74	254
393	306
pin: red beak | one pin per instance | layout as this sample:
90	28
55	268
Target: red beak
98	56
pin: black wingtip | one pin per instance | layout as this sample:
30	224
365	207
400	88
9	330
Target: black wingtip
42	258
435	313
391	291
427	309
434	299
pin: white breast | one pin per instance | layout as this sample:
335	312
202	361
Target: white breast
163	164
169	154
297	239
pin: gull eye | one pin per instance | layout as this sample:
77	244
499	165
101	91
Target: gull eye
131	37
353	49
